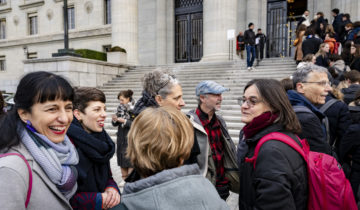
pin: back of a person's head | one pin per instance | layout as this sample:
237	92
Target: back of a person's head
333	71
335	10
159	139
84	95
356	24
347	16
309	31
334	57
353	76
2	104
287	83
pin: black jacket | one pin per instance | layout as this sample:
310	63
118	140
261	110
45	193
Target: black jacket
338	23
349	93
280	179
339	121
311	45
322	61
312	128
355	63
249	37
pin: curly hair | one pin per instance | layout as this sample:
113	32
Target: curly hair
159	83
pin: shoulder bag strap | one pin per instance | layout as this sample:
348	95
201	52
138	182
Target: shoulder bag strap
277	136
30	175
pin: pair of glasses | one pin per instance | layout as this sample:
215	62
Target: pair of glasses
322	83
251	102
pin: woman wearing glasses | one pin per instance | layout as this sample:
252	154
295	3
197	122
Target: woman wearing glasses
279	180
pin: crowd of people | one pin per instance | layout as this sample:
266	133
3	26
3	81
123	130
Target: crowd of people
55	152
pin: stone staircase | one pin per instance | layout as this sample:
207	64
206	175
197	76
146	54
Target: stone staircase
232	75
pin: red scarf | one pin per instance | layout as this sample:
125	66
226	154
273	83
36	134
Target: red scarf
258	123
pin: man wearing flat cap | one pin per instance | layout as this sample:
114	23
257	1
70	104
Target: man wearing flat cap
214	139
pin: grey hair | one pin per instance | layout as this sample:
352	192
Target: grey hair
159	83
198	99
301	74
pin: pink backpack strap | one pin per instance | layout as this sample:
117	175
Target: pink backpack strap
30	175
277	136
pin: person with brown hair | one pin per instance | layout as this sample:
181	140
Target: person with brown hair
300	34
96	188
279	180
123	119
160	140
352	78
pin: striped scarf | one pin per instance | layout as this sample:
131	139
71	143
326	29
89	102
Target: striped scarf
57	160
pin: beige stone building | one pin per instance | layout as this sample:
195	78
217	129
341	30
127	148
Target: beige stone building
153	32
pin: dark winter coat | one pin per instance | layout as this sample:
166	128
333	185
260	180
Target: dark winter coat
280	178
249	37
339	121
312	128
311	45
338	23
350	149
322	61
355	63
122	142
349	93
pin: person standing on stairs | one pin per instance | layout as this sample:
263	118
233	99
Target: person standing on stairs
123	120
222	167
249	40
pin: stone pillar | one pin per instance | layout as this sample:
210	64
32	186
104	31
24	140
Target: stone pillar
252	13
161	32
124	25
219	16
241	16
320	6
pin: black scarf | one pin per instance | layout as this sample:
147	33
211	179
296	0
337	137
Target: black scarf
95	151
145	101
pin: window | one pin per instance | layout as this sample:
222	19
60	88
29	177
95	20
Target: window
2	28
32	55
2	1
2	63
106	48
107	11
71	17
33	23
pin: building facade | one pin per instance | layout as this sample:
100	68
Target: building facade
153	32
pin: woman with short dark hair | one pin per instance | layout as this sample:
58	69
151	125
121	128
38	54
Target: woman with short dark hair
35	130
280	178
97	189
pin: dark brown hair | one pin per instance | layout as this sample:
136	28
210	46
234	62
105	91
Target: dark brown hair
83	95
126	94
273	93
353	76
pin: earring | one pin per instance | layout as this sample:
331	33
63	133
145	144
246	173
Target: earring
29	126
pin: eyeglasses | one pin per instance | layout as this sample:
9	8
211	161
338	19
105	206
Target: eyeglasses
251	102
322	83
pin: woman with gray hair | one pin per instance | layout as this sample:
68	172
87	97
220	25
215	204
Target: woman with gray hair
160	89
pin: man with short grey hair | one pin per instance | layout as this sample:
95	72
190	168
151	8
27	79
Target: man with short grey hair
311	86
214	139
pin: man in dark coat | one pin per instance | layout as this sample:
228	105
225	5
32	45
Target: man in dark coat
311	44
311	85
337	23
260	44
249	40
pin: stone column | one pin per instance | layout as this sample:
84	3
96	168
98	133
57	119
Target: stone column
219	16
241	16
161	32
320	6
252	13
124	25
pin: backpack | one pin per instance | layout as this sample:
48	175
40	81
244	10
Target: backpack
327	185
30	174
336	48
325	121
323	109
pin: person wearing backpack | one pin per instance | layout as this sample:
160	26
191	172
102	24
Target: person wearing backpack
279	180
311	86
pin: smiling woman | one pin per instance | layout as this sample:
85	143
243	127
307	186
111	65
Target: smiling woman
97	189
36	130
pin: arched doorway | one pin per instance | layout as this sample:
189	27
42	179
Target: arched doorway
188	30
282	17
